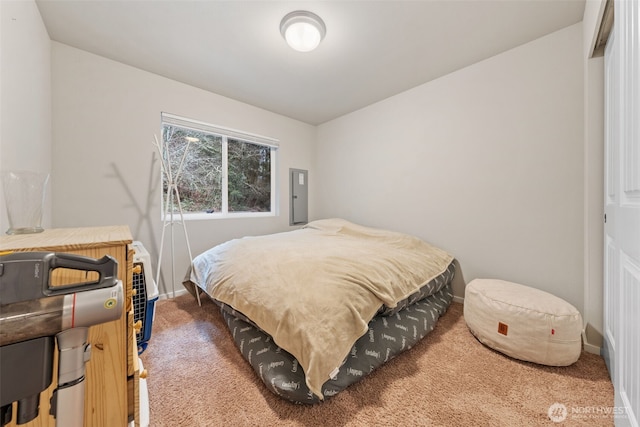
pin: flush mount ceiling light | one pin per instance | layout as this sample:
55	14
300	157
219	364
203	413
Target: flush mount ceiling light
302	30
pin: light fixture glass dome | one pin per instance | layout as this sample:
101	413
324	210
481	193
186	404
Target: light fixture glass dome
302	30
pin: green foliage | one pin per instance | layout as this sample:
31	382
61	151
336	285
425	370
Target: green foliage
249	177
200	177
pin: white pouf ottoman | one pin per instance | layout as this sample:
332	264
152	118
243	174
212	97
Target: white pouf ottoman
523	322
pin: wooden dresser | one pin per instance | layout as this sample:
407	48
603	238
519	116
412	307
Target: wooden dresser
112	377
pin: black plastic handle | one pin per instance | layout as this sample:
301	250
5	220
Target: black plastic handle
106	267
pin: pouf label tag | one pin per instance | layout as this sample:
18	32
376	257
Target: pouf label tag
502	328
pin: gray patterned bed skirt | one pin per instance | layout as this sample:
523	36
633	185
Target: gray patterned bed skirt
388	336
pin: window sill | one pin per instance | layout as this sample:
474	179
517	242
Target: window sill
217	215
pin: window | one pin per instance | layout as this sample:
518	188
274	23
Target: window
220	172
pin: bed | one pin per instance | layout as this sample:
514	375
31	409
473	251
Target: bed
316	309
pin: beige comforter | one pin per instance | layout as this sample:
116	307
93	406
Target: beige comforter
314	290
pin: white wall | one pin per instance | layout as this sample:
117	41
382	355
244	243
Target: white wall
486	162
105	166
25	101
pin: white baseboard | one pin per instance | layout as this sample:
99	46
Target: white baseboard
170	294
458	299
592	339
589	348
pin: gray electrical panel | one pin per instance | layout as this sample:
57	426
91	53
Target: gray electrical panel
298	185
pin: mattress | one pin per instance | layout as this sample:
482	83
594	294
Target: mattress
387	336
314	290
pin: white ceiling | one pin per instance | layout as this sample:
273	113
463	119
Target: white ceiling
372	50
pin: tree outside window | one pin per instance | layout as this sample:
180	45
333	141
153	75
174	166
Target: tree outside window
219	173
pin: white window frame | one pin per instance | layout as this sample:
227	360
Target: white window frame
225	134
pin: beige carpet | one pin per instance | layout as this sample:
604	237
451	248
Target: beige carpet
197	377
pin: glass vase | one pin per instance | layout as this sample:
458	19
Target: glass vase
24	194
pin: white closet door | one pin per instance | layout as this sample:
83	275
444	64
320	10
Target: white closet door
622	210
